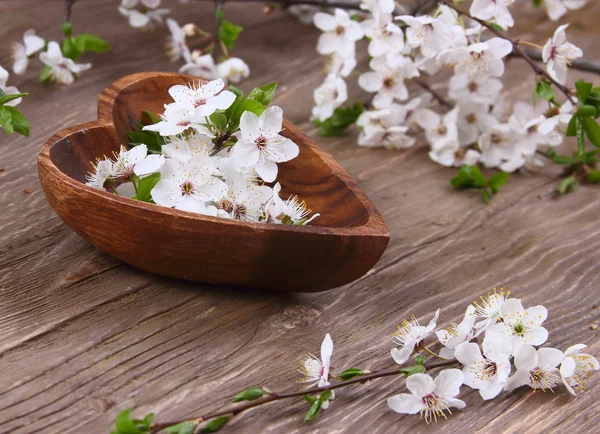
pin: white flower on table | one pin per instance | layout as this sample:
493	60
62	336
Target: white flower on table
438	129
103	170
176	46
429	34
136	161
189	186
233	70
315	371
494	10
519	325
536	369
201	66
449	153
385	36
558	54
481	89
409	335
489	308
455	334
290	211
430	398
483	58
500	147
553	123
474	119
340	32
557	8
340	65
329	96
142	13
205	99
488	372
8	90
21	52
387	78
62	69
520	118
576	368
260	145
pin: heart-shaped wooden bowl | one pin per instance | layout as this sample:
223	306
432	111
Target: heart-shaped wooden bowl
341	245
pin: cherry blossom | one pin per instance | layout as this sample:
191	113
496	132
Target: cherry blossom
21	52
481	89
8	90
184	149
483	58
340	32
409	335
340	65
558	54
427	33
142	13
576	368
289	211
535	368
261	146
457	334
103	170
176	46
489	308
177	118
432	399
136	161
553	123
387	79
233	70
500	147
203	99
385	36
495	10
62	69
473	119
201	66
329	96
557	8
315	371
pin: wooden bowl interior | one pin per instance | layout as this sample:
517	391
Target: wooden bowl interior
307	176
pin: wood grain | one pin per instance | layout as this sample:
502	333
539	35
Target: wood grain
83	336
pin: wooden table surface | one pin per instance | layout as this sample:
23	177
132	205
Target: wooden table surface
83	336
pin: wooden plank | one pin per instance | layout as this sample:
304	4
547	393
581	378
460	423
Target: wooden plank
82	336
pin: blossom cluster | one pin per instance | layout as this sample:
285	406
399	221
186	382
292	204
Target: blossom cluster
218	150
478	127
200	62
494	348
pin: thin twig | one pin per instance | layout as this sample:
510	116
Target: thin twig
579	64
439	98
288	3
517	49
68	6
277	397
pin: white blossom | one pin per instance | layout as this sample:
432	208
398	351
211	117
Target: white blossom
535	368
315	371
21	52
103	170
201	66
340	65
329	96
557	8
184	149
558	54
494	10
385	36
177	118
142	13
340	32
553	123
204	99
62	69
136	161
427	33
290	211
489	308
261	146
387	79
176	46
473	119
483	58
409	335
576	368
233	70
455	334
8	90
500	147
481	89
430	398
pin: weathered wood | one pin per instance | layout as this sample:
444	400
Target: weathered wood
350	238
83	336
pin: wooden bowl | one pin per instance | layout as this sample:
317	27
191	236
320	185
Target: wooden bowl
341	245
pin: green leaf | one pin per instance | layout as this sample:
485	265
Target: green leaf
592	130
67	29
497	27
244	105
325	396
92	43
309	399
46	74
580	137
144	189
236	90
572	127
348	374
586	111
545	90
313	411
590	157
220	120
19	123
228	33
341	119
151	139
6	120
498	180
249	394
412	370
583	90
593	176
215	424
419	360
568	185
564	159
125	425
469	177
537	3
485	195
7	98
153	118
187	427
70	49
219	13
263	94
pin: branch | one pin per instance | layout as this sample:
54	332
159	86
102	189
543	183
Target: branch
579	64
288	3
68	6
439	98
277	397
516	49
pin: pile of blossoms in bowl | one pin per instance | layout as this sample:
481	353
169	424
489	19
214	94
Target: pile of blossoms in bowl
214	152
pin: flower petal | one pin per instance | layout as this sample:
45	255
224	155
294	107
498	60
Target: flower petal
421	385
405	403
448	382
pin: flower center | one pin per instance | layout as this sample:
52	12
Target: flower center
240	211
226	205
542	378
471	118
388	82
340	30
199	102
497	139
187	188
261	142
519	329
442	130
436	407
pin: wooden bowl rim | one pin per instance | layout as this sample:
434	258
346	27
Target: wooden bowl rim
374	226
